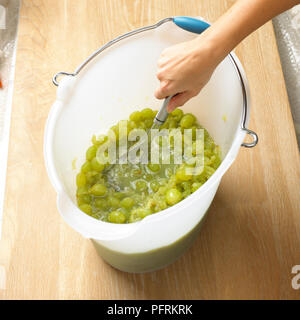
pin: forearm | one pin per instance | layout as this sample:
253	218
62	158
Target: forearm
185	68
244	17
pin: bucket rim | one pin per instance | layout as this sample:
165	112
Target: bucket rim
128	229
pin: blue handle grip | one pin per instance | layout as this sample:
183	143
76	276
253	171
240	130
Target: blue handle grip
191	24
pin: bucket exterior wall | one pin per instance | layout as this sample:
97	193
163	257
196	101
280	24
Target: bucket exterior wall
107	91
153	253
150	260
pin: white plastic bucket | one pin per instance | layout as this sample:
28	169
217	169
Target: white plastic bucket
112	85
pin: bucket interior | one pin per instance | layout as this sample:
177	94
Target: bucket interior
122	79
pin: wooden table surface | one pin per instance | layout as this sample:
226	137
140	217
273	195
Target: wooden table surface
251	238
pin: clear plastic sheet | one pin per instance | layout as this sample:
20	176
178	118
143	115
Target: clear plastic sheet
8	35
287	30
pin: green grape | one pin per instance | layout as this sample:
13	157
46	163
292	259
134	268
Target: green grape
94	140
196	186
100	140
147	114
91	176
142	126
177	114
173	124
173	196
97	166
148	123
119	195
186	185
186	193
101	203
131	125
86	167
154	185
168	172
154	167
148	177
187	121
138	214
181	175
80	179
162	204
134	218
143	212
116	217
209	171
127	203
82	190
135	173
136	116
98	190
113	202
84	198
86	208
141	185
91	152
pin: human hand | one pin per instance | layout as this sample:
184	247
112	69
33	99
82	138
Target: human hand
184	69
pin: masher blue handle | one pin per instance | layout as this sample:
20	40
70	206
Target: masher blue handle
191	24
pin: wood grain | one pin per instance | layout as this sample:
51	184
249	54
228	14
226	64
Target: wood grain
251	238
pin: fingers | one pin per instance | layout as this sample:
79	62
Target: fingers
166	89
164	58
179	100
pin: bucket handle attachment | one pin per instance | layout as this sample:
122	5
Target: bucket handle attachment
254	139
189	24
59	74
